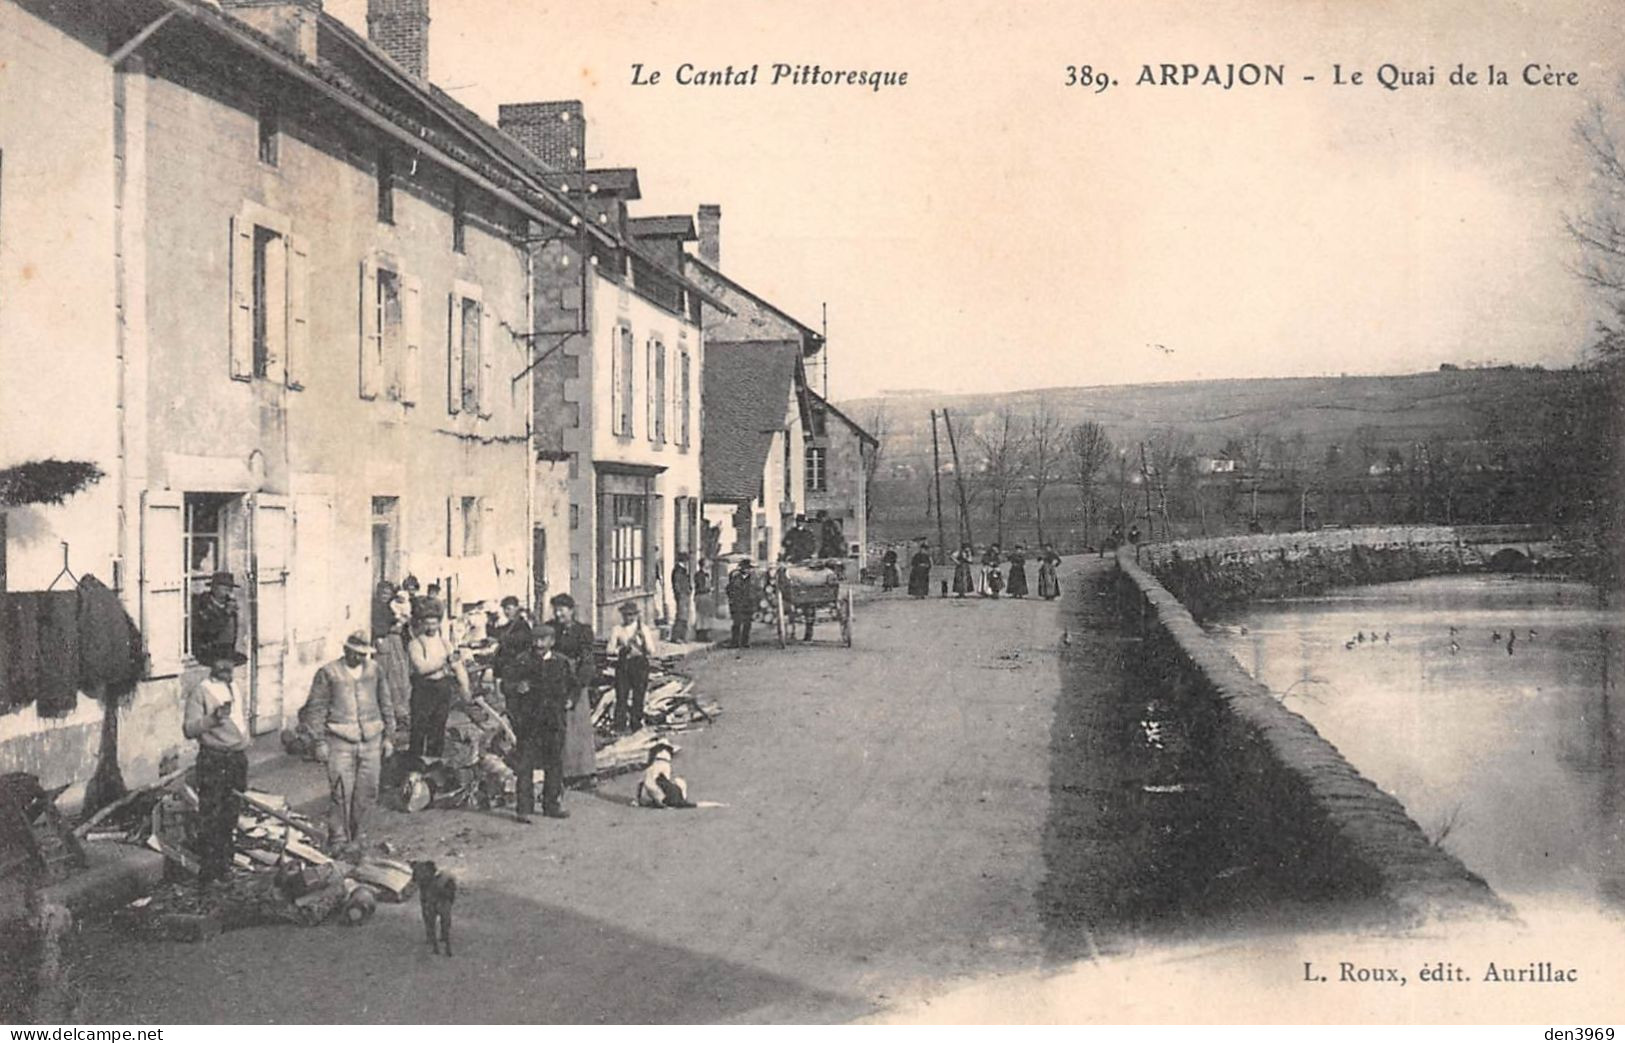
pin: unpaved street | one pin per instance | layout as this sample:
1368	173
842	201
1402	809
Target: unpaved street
885	836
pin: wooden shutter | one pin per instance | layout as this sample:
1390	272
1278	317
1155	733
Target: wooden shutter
242	298
298	278
270	548
371	348
454	354
454	538
275	303
649	388
411	338
615	383
310	610
488	367
163	581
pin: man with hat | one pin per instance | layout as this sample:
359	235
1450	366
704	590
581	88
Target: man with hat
214	615
222	757
435	681
574	641
631	646
800	543
742	599
544	691
352	722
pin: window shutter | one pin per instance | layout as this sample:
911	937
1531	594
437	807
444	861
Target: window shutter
649	388
163	581
276	310
488	367
412	336
371	349
454	354
298	276
242	298
615	384
271	554
454	536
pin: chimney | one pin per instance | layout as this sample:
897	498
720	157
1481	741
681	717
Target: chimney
710	225
555	132
292	23
400	28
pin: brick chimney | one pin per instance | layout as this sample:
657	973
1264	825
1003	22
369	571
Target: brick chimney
553	131
400	28
291	23
710	226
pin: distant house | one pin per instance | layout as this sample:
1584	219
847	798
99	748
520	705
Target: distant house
839	452
1223	463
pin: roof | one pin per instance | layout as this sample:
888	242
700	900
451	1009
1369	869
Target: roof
675	226
828	406
621	182
808	334
747	387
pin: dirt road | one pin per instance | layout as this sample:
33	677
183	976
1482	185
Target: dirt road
887	832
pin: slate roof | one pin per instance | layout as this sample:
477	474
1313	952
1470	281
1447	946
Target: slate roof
746	392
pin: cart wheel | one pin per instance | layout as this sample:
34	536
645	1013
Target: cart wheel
778	614
845	610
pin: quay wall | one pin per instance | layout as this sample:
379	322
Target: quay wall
1313	813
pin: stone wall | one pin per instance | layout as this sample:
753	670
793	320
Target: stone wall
1204	574
1310	808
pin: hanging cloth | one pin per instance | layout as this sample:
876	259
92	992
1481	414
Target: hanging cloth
110	650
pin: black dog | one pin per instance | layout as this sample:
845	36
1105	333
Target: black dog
437	891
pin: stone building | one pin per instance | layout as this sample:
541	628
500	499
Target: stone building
840	458
275	284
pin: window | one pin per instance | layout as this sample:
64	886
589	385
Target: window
386	542
575	516
459	220
657	393
204	553
683	384
628	528
473	542
390	323
621	384
270	295
386	187
817	480
470	376
268	134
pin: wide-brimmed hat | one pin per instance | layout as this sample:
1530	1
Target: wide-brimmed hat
357	642
222	579
744	563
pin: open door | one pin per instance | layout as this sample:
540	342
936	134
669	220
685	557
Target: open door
270	537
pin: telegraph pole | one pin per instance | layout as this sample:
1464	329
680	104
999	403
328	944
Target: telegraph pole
965	534
936	475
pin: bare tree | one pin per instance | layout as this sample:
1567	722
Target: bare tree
1088	448
1046	444
1003	449
1598	227
1166	465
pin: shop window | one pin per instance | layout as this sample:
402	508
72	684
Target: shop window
629	519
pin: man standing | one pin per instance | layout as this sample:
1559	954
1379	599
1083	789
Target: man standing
513	637
214	615
800	543
631	646
574	641
544	687
681	589
742	597
434	680
222	759
352	721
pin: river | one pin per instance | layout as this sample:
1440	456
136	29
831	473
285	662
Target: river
1487	704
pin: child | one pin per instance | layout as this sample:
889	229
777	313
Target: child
659	788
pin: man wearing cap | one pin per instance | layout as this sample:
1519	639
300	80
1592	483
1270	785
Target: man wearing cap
214	615
435	681
544	691
742	598
352	722
631	646
574	641
222	758
800	543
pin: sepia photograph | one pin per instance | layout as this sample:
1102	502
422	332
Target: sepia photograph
772	513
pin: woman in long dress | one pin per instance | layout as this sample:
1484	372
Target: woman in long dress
1016	584
963	583
1049	579
888	570
919	572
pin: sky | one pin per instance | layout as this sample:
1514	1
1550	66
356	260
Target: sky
987	228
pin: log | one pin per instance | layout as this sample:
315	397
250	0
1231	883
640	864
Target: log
306	828
90	823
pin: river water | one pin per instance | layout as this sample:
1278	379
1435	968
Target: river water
1515	758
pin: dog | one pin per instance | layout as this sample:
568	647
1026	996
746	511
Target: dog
437	891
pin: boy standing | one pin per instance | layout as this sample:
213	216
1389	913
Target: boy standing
222	759
631	646
543	695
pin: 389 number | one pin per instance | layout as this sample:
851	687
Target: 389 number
1088	76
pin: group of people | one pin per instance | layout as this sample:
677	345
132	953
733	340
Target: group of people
982	574
411	674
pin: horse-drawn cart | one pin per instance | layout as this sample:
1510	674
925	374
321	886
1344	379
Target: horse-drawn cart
811	591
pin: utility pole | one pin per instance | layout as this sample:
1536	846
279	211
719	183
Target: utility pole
965	534
824	309
936	474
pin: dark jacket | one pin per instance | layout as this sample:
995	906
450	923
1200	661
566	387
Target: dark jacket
551	685
742	592
575	641
513	641
214	625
